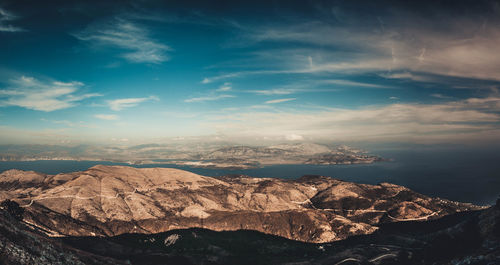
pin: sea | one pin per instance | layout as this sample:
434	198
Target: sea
460	174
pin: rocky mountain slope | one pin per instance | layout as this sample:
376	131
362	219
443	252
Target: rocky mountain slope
300	153
464	238
19	244
114	200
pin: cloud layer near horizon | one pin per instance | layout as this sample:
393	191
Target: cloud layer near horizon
473	118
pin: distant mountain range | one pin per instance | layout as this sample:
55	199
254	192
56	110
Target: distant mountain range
209	156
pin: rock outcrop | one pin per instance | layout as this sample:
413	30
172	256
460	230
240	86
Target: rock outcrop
113	200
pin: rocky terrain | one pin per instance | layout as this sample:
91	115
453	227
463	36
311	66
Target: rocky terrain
471	237
302	153
463	238
20	244
227	156
115	200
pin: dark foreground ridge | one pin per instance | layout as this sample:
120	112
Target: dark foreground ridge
464	238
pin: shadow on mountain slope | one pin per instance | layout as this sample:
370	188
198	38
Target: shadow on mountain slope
464	238
471	237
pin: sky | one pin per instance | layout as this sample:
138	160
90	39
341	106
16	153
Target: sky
130	72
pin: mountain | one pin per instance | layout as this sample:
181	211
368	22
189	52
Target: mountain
20	244
303	148
282	154
463	238
471	237
115	200
214	155
299	149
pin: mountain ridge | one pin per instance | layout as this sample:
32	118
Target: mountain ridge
112	200
225	156
470	237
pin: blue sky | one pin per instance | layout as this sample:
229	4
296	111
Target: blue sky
333	71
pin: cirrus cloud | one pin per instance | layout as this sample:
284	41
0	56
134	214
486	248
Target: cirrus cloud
123	103
31	93
6	16
134	39
208	98
107	117
471	118
274	101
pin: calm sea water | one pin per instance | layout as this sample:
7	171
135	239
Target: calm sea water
458	174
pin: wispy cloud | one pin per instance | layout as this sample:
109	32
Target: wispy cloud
31	93
107	117
208	80
294	137
5	18
123	103
275	91
274	101
353	83
293	89
472	118
437	95
208	98
405	75
119	139
126	35
225	87
404	48
70	123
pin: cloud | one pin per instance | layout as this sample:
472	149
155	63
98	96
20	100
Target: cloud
119	139
408	46
5	17
123	103
447	122
437	95
274	101
208	80
126	35
352	83
404	75
70	123
298	87
490	104
294	137
208	98
107	117
276	91
31	93
225	87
